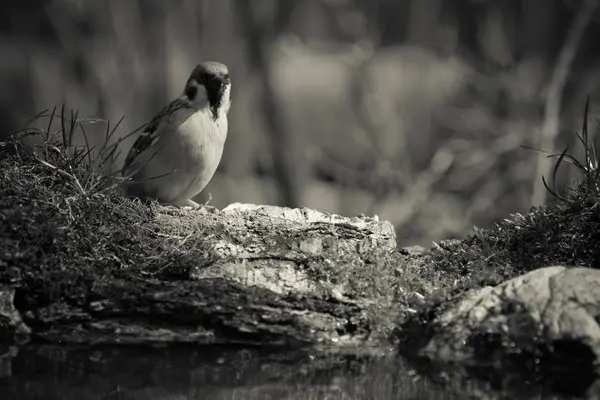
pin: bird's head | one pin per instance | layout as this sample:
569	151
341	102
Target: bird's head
209	85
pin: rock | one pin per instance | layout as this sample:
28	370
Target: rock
12	329
293	250
272	275
551	312
415	251
11	323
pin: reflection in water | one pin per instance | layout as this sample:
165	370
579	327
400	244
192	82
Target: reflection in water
213	372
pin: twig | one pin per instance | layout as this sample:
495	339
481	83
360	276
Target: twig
65	174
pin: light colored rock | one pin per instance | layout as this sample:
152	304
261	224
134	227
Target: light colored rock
8	310
307	216
263	275
281	248
538	308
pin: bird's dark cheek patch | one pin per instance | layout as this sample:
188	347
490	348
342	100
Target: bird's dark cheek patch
191	92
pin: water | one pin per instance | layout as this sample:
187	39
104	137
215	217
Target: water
212	372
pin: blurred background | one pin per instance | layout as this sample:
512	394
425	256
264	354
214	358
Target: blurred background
414	110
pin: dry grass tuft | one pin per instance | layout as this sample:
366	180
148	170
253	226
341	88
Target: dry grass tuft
65	225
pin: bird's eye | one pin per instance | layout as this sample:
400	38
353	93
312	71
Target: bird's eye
214	82
191	91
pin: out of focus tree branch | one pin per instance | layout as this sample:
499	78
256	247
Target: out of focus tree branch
560	73
424	21
284	154
285	10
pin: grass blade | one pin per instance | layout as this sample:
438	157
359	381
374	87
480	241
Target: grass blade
87	145
63	129
49	127
35	118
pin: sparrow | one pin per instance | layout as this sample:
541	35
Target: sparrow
179	150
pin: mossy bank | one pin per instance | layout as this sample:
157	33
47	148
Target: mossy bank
90	266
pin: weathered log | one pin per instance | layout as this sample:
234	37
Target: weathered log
276	276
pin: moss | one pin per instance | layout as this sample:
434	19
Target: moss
57	242
565	233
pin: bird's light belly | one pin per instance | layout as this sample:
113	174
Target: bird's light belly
202	142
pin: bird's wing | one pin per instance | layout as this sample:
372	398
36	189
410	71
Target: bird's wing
143	142
150	133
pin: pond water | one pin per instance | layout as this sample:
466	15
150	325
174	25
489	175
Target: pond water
213	372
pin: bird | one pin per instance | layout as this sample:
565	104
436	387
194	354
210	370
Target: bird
181	147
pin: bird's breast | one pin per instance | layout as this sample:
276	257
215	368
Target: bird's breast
203	138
